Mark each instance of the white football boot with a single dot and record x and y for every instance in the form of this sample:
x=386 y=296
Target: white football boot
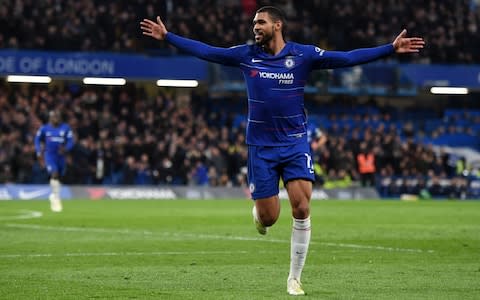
x=260 y=228
x=294 y=287
x=55 y=203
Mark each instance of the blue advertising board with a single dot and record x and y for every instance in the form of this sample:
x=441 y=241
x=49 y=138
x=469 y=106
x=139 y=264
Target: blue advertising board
x=138 y=67
x=85 y=64
x=443 y=75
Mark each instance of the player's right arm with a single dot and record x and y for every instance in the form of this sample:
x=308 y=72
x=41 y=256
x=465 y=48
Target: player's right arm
x=38 y=141
x=225 y=56
x=70 y=141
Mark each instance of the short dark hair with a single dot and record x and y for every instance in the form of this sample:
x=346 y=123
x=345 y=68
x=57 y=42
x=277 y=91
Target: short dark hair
x=55 y=113
x=276 y=14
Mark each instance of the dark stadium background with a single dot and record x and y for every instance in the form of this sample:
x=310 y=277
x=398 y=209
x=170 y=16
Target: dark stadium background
x=140 y=134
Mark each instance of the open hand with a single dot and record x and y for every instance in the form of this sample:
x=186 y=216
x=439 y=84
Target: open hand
x=156 y=30
x=402 y=44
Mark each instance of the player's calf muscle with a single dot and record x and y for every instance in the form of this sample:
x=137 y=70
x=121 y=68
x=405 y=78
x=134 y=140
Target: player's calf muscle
x=299 y=192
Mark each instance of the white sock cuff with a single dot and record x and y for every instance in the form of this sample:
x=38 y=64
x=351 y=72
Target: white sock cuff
x=302 y=224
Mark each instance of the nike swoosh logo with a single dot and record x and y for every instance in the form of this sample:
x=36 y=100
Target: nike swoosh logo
x=33 y=194
x=256 y=60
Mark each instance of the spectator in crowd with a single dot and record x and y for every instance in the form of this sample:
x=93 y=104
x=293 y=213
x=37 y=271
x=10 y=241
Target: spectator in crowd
x=366 y=165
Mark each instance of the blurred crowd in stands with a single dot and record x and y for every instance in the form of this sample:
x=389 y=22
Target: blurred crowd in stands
x=450 y=27
x=126 y=136
x=123 y=137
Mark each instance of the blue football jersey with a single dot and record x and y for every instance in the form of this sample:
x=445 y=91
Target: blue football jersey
x=275 y=83
x=53 y=138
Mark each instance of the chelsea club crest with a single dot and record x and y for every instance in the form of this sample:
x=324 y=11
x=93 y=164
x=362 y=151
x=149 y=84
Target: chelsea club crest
x=289 y=63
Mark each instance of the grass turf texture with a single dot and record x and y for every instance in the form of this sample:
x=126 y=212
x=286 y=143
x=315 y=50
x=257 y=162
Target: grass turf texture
x=210 y=250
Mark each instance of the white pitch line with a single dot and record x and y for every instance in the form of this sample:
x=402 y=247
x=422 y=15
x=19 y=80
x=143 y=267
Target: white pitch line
x=77 y=229
x=391 y=249
x=24 y=214
x=209 y=237
x=143 y=232
x=156 y=253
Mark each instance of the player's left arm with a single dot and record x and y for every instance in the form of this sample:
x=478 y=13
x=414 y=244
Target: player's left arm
x=323 y=59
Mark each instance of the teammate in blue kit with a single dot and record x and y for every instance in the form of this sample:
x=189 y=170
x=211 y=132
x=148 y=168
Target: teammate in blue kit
x=315 y=137
x=52 y=141
x=275 y=72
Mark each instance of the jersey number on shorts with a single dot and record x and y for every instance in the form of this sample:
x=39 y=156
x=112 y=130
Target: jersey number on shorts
x=309 y=163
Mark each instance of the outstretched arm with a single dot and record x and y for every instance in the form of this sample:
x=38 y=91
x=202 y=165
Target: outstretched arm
x=157 y=30
x=339 y=59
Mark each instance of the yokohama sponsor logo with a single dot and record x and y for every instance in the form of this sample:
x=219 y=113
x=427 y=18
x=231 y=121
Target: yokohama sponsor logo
x=134 y=193
x=269 y=75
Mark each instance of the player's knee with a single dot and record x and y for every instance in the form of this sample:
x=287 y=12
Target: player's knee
x=268 y=221
x=268 y=218
x=301 y=210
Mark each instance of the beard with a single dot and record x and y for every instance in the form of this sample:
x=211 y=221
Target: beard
x=264 y=39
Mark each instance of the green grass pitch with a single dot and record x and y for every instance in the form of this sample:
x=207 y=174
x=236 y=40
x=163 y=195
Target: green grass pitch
x=210 y=250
